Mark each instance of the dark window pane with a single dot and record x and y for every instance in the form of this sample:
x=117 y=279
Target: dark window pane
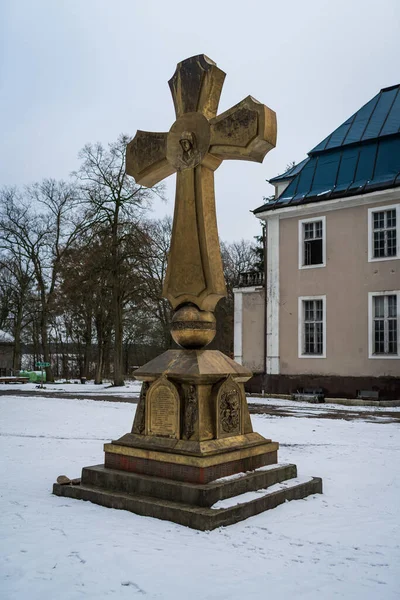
x=385 y=324
x=391 y=242
x=379 y=244
x=392 y=342
x=319 y=336
x=379 y=302
x=318 y=229
x=313 y=326
x=309 y=337
x=319 y=311
x=379 y=220
x=379 y=338
x=392 y=306
x=313 y=252
x=308 y=231
x=391 y=218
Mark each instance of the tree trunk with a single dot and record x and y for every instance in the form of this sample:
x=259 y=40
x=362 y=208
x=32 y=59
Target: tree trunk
x=117 y=303
x=88 y=346
x=118 y=362
x=17 y=339
x=98 y=377
x=35 y=335
x=46 y=348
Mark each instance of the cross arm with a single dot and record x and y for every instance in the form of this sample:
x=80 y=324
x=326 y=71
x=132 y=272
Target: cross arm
x=196 y=85
x=146 y=158
x=246 y=131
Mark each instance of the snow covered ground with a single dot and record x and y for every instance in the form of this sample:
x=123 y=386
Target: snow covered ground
x=286 y=403
x=89 y=388
x=342 y=544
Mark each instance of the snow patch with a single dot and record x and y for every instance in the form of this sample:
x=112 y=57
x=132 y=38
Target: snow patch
x=341 y=544
x=249 y=496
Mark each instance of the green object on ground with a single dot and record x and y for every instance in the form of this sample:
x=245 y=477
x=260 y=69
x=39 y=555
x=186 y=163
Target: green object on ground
x=34 y=376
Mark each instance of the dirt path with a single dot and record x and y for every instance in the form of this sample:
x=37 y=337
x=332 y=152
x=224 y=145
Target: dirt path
x=325 y=412
x=308 y=412
x=132 y=399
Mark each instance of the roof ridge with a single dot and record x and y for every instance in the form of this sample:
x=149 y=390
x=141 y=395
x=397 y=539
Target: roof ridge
x=390 y=87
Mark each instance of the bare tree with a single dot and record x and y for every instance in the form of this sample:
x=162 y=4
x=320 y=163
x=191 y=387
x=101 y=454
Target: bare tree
x=114 y=201
x=85 y=295
x=153 y=266
x=43 y=223
x=16 y=297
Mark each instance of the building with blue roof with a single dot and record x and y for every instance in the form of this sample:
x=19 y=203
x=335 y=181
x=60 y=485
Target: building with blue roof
x=360 y=156
x=331 y=301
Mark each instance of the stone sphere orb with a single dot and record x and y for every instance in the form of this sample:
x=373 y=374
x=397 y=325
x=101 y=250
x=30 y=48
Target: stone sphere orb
x=192 y=328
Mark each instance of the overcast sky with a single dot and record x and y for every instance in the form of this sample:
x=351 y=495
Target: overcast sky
x=78 y=71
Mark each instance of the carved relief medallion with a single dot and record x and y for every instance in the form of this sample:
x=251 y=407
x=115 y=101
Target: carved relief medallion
x=140 y=416
x=229 y=408
x=163 y=409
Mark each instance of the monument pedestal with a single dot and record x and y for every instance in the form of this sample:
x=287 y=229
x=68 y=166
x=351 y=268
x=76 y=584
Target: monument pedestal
x=192 y=505
x=192 y=442
x=191 y=445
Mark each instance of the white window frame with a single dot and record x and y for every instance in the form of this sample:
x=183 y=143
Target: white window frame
x=371 y=212
x=301 y=326
x=371 y=354
x=301 y=242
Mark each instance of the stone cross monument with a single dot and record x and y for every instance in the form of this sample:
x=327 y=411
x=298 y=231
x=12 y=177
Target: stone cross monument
x=192 y=426
x=194 y=147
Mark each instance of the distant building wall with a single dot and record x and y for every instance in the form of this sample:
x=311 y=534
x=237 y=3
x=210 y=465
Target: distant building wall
x=346 y=280
x=249 y=341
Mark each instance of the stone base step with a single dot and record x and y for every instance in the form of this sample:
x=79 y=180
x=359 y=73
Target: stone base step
x=197 y=517
x=205 y=495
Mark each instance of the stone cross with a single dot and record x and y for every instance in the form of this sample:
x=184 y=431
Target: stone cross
x=194 y=148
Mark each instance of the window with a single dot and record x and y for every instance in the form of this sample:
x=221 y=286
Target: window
x=312 y=243
x=384 y=316
x=312 y=327
x=384 y=232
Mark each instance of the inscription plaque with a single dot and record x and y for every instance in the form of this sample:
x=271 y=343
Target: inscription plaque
x=163 y=409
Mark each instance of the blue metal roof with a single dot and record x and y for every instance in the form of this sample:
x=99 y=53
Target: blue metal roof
x=290 y=173
x=379 y=117
x=360 y=156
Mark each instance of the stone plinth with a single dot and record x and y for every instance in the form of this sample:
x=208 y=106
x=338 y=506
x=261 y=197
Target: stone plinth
x=191 y=430
x=186 y=503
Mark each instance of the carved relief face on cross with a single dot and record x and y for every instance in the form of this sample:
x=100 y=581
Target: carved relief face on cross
x=194 y=148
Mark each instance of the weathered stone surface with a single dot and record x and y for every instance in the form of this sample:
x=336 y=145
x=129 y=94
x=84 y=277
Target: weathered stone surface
x=193 y=366
x=194 y=470
x=202 y=518
x=213 y=450
x=188 y=493
x=195 y=146
x=139 y=423
x=230 y=405
x=63 y=480
x=163 y=409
